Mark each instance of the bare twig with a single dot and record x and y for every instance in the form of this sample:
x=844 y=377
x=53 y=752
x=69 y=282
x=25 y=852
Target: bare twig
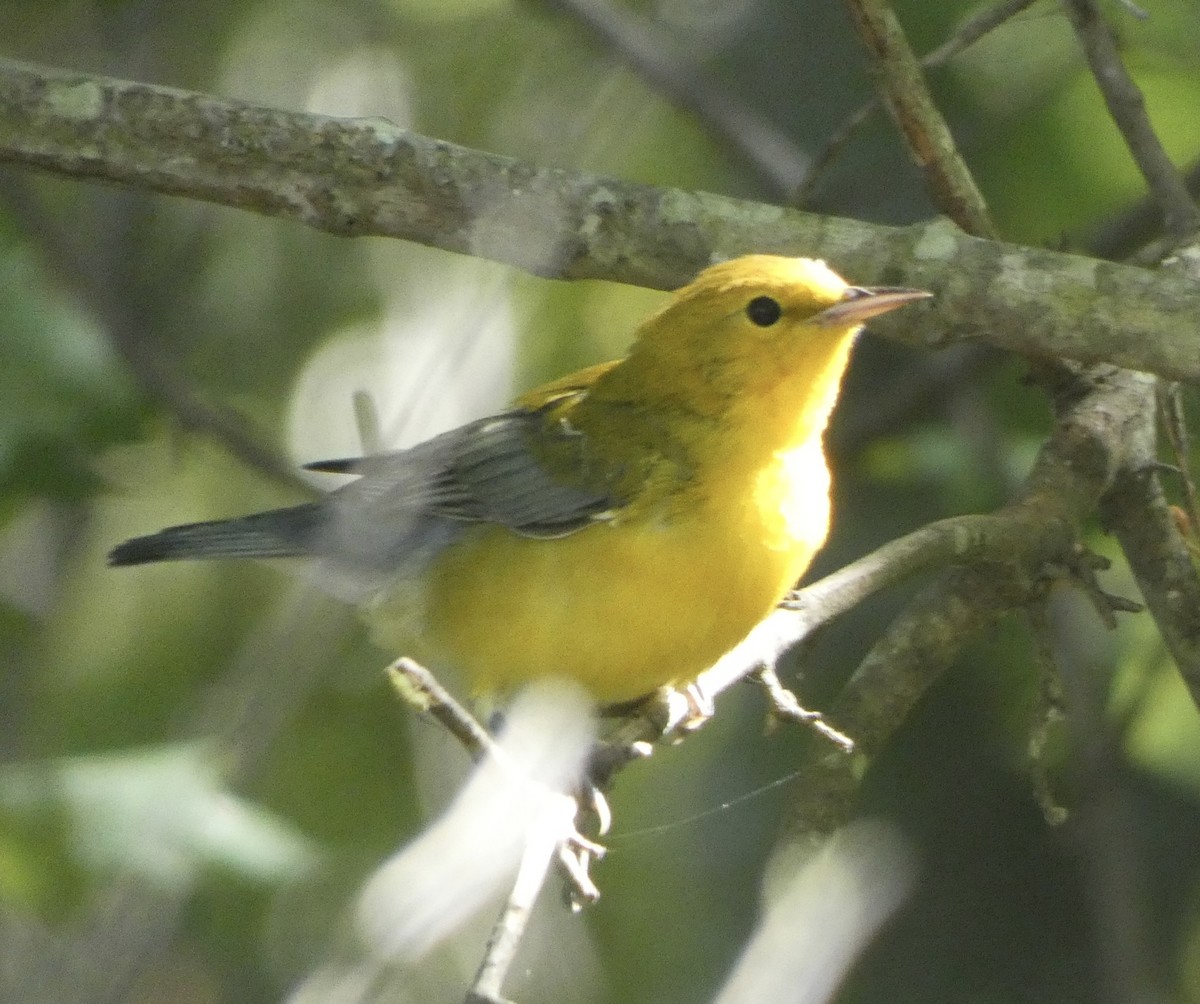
x=898 y=77
x=544 y=842
x=1136 y=226
x=834 y=145
x=161 y=379
x=421 y=690
x=1047 y=720
x=968 y=33
x=1128 y=110
x=652 y=54
x=786 y=706
x=551 y=838
x=1103 y=821
x=973 y=29
x=76 y=269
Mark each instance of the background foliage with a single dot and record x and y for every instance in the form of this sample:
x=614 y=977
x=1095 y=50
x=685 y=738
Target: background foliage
x=201 y=764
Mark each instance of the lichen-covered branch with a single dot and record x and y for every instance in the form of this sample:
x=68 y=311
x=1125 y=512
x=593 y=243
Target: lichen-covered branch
x=1089 y=450
x=371 y=177
x=1137 y=512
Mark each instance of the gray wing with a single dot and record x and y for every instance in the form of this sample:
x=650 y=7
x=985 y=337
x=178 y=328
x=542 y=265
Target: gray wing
x=406 y=506
x=482 y=472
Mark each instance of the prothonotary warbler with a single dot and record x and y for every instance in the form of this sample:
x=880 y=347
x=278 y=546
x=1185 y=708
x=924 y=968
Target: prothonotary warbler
x=624 y=526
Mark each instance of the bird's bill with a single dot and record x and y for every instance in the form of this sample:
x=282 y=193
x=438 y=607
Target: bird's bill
x=861 y=304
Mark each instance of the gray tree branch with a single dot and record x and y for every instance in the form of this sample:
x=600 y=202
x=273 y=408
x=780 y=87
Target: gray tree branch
x=371 y=177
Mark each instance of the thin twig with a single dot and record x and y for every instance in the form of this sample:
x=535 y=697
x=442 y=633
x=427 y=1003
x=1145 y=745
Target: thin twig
x=1103 y=821
x=114 y=306
x=655 y=56
x=161 y=379
x=1136 y=226
x=972 y=30
x=421 y=689
x=1046 y=721
x=898 y=77
x=968 y=33
x=545 y=838
x=552 y=838
x=785 y=704
x=1128 y=109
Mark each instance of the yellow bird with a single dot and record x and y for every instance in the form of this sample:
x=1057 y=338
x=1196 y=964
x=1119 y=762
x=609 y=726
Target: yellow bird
x=624 y=526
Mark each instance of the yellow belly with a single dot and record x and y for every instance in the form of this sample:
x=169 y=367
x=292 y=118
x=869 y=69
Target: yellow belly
x=621 y=607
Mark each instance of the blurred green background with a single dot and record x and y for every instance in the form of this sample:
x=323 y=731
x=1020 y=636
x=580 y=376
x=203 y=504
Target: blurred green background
x=201 y=764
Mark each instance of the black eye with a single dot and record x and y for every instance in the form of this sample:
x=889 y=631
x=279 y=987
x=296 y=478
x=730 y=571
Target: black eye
x=764 y=311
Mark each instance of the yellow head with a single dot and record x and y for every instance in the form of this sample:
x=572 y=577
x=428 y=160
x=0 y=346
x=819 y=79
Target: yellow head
x=756 y=325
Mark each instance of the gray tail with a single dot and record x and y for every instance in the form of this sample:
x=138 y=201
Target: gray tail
x=280 y=533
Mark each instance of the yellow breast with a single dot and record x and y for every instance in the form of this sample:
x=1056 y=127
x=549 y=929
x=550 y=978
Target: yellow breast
x=651 y=598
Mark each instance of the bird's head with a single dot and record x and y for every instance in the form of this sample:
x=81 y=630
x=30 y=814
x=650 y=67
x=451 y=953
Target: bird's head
x=757 y=324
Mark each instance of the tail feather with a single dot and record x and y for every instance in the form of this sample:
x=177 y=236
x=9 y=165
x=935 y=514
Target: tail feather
x=280 y=533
